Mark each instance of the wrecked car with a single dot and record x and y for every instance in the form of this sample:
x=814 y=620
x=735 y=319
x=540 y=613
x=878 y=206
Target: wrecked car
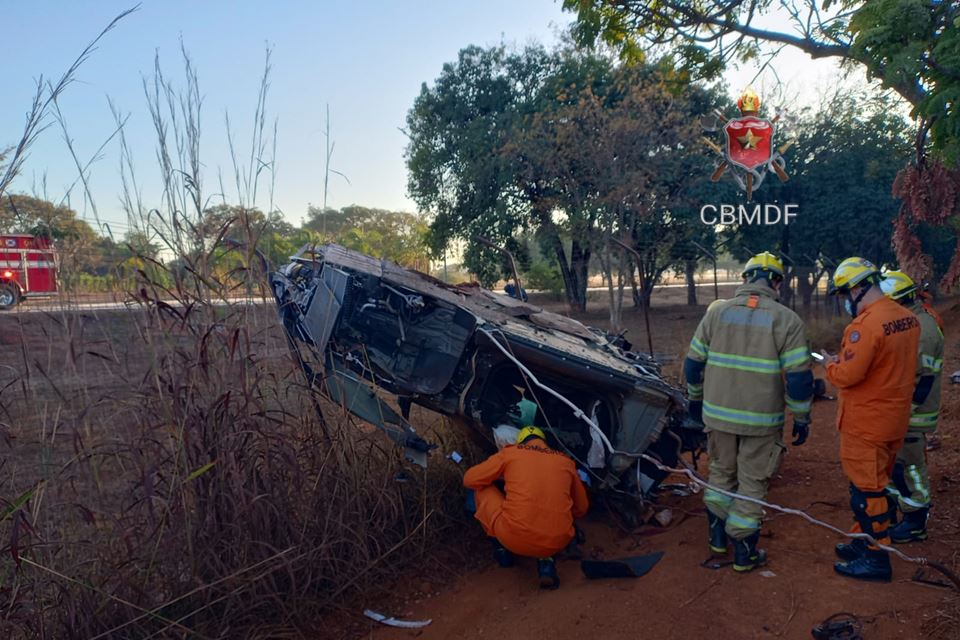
x=364 y=329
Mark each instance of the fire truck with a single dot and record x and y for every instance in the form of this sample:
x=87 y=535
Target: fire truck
x=28 y=268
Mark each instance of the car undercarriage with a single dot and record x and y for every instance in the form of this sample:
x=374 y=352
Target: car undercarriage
x=364 y=329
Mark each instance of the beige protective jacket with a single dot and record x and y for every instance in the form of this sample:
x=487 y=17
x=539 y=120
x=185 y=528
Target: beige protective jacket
x=755 y=360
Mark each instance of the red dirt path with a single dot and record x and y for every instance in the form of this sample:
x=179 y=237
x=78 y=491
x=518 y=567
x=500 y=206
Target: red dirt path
x=679 y=599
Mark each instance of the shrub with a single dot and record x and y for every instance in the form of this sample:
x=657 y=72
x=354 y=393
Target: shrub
x=544 y=277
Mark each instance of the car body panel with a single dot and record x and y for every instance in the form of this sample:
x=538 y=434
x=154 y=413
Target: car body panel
x=465 y=351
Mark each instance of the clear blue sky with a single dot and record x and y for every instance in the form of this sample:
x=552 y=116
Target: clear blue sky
x=367 y=59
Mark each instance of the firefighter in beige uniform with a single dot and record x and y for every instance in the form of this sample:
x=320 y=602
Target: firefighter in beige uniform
x=748 y=358
x=910 y=480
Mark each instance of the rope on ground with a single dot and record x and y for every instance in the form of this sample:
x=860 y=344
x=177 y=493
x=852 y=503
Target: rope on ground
x=696 y=478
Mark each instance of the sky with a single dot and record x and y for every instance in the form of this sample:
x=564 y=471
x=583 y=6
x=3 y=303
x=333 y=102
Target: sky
x=366 y=59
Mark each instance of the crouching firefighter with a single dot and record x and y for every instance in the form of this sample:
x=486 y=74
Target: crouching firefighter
x=911 y=481
x=542 y=495
x=748 y=358
x=875 y=374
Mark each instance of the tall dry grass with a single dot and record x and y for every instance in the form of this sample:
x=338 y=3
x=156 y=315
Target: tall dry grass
x=166 y=470
x=167 y=474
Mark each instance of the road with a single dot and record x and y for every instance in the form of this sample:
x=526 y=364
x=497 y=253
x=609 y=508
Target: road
x=63 y=304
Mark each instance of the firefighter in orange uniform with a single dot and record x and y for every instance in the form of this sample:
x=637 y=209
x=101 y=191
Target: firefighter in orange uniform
x=875 y=373
x=543 y=496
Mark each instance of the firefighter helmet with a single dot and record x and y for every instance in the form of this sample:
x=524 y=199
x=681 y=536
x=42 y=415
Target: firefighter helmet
x=896 y=285
x=530 y=432
x=766 y=264
x=850 y=273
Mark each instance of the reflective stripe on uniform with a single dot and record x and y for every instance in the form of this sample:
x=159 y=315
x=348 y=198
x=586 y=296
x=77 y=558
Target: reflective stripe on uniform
x=918 y=484
x=699 y=348
x=740 y=416
x=744 y=363
x=741 y=522
x=931 y=363
x=924 y=419
x=715 y=497
x=694 y=389
x=798 y=407
x=794 y=357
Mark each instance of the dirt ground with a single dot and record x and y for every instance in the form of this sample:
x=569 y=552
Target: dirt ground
x=681 y=599
x=467 y=597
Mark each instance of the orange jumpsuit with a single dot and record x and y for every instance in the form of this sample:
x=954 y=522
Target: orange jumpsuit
x=543 y=496
x=876 y=376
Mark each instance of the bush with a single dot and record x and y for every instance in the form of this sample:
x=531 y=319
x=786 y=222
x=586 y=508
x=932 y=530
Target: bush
x=544 y=277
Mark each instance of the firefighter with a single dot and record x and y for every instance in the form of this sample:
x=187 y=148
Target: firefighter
x=544 y=495
x=874 y=373
x=911 y=482
x=748 y=358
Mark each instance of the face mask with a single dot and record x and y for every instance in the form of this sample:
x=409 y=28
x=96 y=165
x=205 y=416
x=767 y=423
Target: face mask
x=850 y=304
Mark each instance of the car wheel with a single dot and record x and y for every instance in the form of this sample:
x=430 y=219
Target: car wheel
x=9 y=296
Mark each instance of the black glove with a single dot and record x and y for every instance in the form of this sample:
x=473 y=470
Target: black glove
x=695 y=409
x=801 y=430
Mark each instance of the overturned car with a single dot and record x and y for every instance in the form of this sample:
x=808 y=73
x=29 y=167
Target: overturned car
x=363 y=328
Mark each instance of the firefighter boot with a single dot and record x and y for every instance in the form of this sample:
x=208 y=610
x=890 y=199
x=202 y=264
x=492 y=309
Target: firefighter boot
x=501 y=554
x=912 y=528
x=718 y=537
x=746 y=556
x=874 y=564
x=547 y=572
x=851 y=550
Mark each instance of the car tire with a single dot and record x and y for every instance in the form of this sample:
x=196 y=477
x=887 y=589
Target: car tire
x=9 y=296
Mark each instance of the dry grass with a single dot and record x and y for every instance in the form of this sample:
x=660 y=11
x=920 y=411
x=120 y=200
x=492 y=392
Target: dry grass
x=169 y=475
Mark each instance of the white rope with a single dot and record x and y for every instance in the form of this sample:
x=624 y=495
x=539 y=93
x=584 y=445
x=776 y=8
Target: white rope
x=594 y=428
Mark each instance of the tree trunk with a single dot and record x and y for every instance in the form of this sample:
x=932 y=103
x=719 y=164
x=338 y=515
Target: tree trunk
x=690 y=273
x=805 y=285
x=633 y=288
x=786 y=288
x=569 y=279
x=580 y=271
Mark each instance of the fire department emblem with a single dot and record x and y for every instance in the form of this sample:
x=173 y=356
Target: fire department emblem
x=748 y=154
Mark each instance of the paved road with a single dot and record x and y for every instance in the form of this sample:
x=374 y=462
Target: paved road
x=56 y=305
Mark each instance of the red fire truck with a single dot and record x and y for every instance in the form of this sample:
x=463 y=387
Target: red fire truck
x=28 y=268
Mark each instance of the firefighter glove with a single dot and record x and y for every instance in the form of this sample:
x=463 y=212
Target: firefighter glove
x=801 y=430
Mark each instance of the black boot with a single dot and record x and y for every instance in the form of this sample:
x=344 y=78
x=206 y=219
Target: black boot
x=912 y=528
x=851 y=550
x=547 y=572
x=874 y=564
x=746 y=555
x=718 y=537
x=501 y=554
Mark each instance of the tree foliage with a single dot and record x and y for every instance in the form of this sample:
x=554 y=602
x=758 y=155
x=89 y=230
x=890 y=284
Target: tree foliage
x=910 y=46
x=395 y=235
x=571 y=145
x=846 y=156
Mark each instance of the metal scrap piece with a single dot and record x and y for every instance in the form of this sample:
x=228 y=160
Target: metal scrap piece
x=393 y=622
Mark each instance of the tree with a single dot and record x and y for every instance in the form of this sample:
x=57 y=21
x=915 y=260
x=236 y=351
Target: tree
x=394 y=235
x=568 y=144
x=457 y=129
x=911 y=46
x=80 y=248
x=842 y=165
